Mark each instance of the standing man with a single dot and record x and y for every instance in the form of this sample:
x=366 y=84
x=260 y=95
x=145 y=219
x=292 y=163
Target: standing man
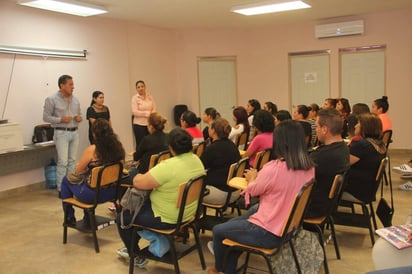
x=331 y=158
x=62 y=110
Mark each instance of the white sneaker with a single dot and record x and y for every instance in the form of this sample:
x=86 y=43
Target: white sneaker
x=210 y=247
x=403 y=169
x=122 y=252
x=407 y=186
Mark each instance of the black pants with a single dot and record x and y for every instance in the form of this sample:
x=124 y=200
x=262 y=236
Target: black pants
x=139 y=132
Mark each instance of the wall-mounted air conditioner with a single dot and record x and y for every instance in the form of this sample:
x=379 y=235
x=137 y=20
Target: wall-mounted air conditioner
x=339 y=29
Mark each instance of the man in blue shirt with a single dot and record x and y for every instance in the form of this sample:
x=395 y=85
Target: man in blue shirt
x=62 y=111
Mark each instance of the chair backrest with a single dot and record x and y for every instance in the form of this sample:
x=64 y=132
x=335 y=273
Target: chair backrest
x=297 y=211
x=199 y=148
x=381 y=169
x=387 y=137
x=188 y=193
x=239 y=168
x=102 y=176
x=262 y=157
x=157 y=158
x=241 y=140
x=335 y=192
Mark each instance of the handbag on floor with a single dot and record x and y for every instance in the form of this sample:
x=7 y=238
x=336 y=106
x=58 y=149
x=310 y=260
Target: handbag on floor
x=384 y=210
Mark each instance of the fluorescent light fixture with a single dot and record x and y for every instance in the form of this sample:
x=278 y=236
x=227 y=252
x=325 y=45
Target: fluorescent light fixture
x=269 y=7
x=62 y=53
x=65 y=6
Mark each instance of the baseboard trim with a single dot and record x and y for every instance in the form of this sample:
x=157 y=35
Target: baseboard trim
x=22 y=189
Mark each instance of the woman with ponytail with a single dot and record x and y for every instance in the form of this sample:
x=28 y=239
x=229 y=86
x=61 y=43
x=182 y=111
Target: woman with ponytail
x=107 y=149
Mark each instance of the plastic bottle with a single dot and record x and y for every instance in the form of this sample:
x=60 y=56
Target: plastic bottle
x=50 y=174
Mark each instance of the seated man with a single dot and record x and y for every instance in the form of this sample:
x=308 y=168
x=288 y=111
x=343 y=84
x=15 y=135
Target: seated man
x=331 y=158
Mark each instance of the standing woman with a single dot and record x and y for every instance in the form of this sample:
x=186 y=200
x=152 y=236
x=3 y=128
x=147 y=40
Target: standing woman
x=96 y=110
x=380 y=107
x=142 y=105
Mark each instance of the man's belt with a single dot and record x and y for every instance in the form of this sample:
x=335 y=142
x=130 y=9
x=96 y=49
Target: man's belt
x=66 y=128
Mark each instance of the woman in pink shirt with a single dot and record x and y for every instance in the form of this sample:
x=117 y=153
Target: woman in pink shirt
x=380 y=107
x=188 y=121
x=264 y=124
x=277 y=184
x=142 y=105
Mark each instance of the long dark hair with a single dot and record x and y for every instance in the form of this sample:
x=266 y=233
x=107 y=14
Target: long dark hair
x=240 y=114
x=108 y=147
x=289 y=145
x=255 y=104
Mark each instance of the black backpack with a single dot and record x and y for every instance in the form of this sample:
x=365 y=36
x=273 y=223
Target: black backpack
x=42 y=133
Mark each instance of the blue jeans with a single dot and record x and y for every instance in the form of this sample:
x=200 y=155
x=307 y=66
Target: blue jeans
x=145 y=217
x=240 y=230
x=84 y=193
x=67 y=144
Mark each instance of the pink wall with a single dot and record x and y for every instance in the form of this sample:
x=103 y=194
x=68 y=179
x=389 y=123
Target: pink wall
x=262 y=61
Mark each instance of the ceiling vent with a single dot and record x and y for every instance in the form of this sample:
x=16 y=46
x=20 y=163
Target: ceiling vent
x=339 y=29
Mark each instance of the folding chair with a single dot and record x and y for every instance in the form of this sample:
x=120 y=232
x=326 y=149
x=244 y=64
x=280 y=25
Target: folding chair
x=189 y=192
x=290 y=229
x=319 y=222
x=361 y=220
x=101 y=177
x=199 y=148
x=241 y=140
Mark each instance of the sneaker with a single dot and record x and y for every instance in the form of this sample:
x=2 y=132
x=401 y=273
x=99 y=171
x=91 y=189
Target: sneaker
x=407 y=186
x=210 y=247
x=403 y=169
x=112 y=208
x=122 y=252
x=140 y=262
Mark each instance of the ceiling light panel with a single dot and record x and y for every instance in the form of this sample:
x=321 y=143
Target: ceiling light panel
x=269 y=7
x=65 y=6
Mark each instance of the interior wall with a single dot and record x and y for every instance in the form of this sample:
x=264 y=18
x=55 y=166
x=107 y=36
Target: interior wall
x=263 y=69
x=121 y=53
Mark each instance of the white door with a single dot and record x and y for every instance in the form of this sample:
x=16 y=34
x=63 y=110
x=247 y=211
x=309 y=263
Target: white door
x=217 y=85
x=362 y=75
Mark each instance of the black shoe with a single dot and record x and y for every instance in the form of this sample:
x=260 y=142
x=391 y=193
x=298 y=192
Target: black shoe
x=71 y=221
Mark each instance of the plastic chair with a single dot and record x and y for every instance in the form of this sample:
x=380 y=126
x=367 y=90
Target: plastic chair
x=241 y=140
x=189 y=192
x=101 y=177
x=319 y=222
x=199 y=148
x=361 y=220
x=157 y=158
x=262 y=157
x=291 y=227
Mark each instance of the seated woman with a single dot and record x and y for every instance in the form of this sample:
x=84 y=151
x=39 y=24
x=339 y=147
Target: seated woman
x=188 y=121
x=343 y=106
x=277 y=183
x=163 y=180
x=365 y=157
x=300 y=114
x=106 y=149
x=264 y=125
x=241 y=122
x=217 y=158
x=208 y=117
x=380 y=107
x=153 y=143
x=282 y=115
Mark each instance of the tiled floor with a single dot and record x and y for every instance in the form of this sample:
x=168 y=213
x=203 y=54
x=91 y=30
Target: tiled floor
x=31 y=238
